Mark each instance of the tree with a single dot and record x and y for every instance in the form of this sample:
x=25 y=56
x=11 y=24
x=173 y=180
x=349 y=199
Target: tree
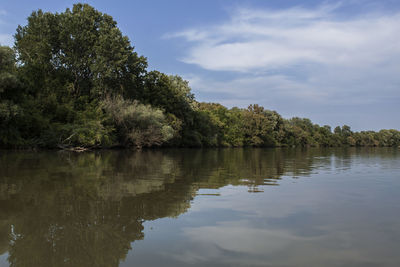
x=261 y=126
x=81 y=52
x=170 y=93
x=173 y=95
x=10 y=94
x=73 y=79
x=69 y=62
x=9 y=83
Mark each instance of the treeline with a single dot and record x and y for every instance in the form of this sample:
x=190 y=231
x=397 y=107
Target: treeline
x=72 y=79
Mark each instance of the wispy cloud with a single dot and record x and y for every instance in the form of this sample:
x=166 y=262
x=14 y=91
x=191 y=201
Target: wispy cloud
x=299 y=55
x=267 y=39
x=2 y=13
x=6 y=39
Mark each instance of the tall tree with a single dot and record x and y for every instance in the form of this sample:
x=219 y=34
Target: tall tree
x=80 y=51
x=10 y=94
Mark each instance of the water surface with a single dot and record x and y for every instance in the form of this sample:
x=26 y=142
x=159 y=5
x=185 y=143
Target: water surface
x=197 y=207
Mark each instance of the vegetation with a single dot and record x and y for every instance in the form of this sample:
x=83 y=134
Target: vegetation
x=137 y=124
x=72 y=79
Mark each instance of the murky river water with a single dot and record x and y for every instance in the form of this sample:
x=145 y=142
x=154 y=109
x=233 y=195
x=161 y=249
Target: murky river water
x=197 y=207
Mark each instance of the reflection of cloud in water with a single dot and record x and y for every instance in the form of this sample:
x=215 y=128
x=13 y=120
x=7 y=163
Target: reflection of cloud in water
x=239 y=242
x=91 y=207
x=241 y=237
x=300 y=226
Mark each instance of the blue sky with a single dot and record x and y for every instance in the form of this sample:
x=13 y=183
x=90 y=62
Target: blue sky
x=335 y=62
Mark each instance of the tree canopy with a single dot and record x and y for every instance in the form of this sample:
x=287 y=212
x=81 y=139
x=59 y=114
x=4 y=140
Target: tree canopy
x=73 y=79
x=80 y=50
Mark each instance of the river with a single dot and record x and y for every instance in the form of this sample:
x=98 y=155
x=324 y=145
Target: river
x=201 y=207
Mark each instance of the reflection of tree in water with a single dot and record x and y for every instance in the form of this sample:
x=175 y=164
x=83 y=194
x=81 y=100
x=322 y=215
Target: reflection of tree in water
x=63 y=209
x=78 y=210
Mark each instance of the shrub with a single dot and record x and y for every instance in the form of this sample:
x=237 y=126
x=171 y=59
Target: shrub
x=137 y=124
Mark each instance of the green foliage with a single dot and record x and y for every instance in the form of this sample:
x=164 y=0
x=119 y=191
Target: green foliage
x=87 y=130
x=78 y=52
x=170 y=93
x=261 y=127
x=68 y=62
x=10 y=92
x=9 y=84
x=76 y=81
x=173 y=95
x=137 y=124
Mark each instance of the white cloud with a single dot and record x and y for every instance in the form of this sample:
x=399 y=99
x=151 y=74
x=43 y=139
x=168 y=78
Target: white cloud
x=299 y=57
x=265 y=39
x=2 y=13
x=6 y=39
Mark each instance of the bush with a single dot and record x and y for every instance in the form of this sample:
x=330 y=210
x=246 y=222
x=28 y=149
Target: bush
x=137 y=124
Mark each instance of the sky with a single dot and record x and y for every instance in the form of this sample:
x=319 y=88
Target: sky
x=335 y=62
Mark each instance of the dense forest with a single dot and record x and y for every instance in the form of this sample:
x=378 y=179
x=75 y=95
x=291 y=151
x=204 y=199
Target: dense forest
x=73 y=79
